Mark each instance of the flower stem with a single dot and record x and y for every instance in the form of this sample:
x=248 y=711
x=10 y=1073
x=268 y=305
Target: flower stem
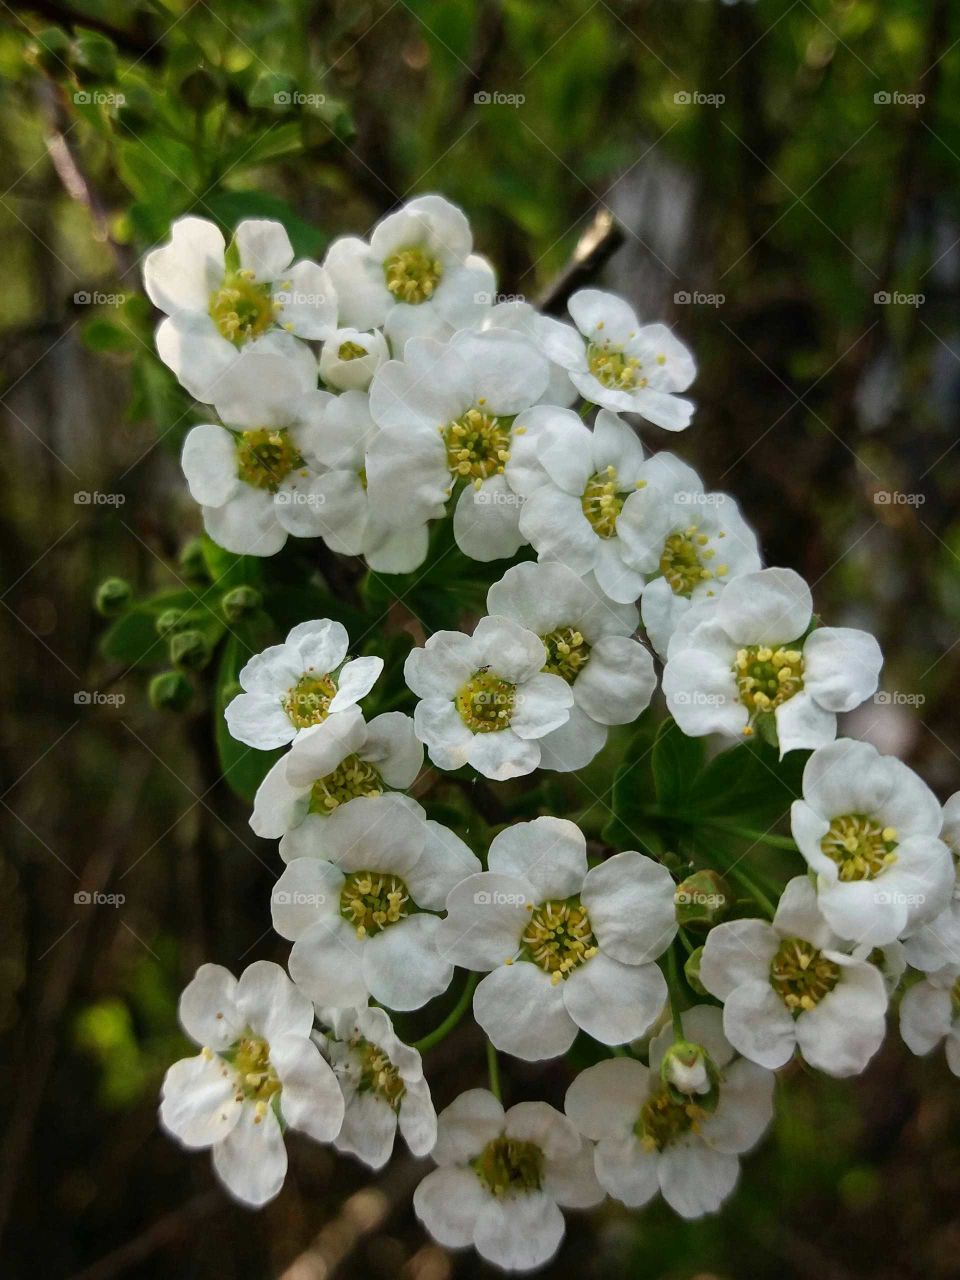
x=757 y=837
x=673 y=983
x=493 y=1071
x=450 y=1021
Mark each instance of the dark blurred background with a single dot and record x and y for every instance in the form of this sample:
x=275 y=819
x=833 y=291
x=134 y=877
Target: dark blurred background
x=785 y=177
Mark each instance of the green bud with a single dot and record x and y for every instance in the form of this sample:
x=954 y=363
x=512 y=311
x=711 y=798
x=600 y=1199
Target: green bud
x=49 y=51
x=170 y=691
x=189 y=650
x=691 y=971
x=199 y=89
x=168 y=621
x=702 y=900
x=94 y=56
x=193 y=566
x=112 y=596
x=240 y=601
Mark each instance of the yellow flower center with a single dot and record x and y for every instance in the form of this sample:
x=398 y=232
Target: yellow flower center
x=602 y=501
x=508 y=1166
x=478 y=445
x=242 y=309
x=567 y=653
x=559 y=937
x=377 y=1073
x=766 y=678
x=412 y=275
x=955 y=998
x=372 y=901
x=613 y=369
x=801 y=975
x=860 y=846
x=684 y=561
x=308 y=702
x=257 y=1081
x=486 y=702
x=265 y=455
x=663 y=1120
x=351 y=351
x=352 y=777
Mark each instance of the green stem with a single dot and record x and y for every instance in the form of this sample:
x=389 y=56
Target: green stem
x=493 y=1071
x=758 y=895
x=673 y=983
x=450 y=1021
x=757 y=837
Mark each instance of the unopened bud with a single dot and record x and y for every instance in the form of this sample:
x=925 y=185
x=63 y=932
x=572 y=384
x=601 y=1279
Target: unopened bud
x=239 y=602
x=112 y=596
x=189 y=650
x=168 y=621
x=170 y=691
x=702 y=900
x=686 y=1066
x=691 y=971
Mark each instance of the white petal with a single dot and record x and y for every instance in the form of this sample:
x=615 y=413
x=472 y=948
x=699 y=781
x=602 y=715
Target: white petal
x=523 y=1013
x=502 y=755
x=326 y=963
x=550 y=853
x=802 y=724
x=925 y=1017
x=696 y=1180
x=182 y=274
x=573 y=745
x=402 y=967
x=845 y=1029
x=841 y=667
x=198 y=1102
x=772 y=606
x=744 y=1111
x=614 y=1002
x=271 y=1004
x=264 y=247
x=259 y=721
x=798 y=914
x=382 y=833
x=630 y=901
x=758 y=1024
x=572 y=1181
x=277 y=805
x=554 y=523
x=519 y=1233
x=486 y=916
x=486 y=521
x=605 y=1100
x=369 y=1128
x=417 y=1118
x=737 y=952
x=626 y=1170
x=190 y=344
x=549 y=1129
x=392 y=747
x=355 y=681
x=362 y=293
x=444 y=863
x=703 y=1025
x=614 y=576
x=473 y=1119
x=309 y=302
x=448 y=1202
x=308 y=891
x=701 y=692
x=208 y=1008
x=310 y=1099
x=252 y=1160
x=247 y=524
x=319 y=749
x=209 y=461
x=443 y=666
x=541 y=705
x=618 y=682
x=439 y=726
x=512 y=651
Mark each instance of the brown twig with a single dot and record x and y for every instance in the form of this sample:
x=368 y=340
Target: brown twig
x=596 y=246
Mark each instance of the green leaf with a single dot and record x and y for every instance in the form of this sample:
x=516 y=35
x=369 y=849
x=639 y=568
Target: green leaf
x=231 y=207
x=227 y=570
x=749 y=785
x=133 y=639
x=676 y=761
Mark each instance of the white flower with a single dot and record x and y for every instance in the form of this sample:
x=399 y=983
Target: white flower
x=787 y=985
x=587 y=641
x=707 y=544
x=752 y=656
x=446 y=411
x=214 y=310
x=566 y=948
x=485 y=698
x=623 y=365
x=868 y=828
x=258 y=1066
x=344 y=515
x=936 y=944
x=349 y=358
x=332 y=763
x=383 y=1086
x=294 y=685
x=416 y=276
x=930 y=1013
x=254 y=476
x=501 y=1177
x=543 y=331
x=650 y=1138
x=359 y=908
x=591 y=508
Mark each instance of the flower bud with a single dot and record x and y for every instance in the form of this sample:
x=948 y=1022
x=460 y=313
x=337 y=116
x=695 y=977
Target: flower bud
x=49 y=51
x=189 y=650
x=691 y=971
x=702 y=900
x=112 y=596
x=686 y=1067
x=236 y=604
x=168 y=621
x=193 y=566
x=170 y=691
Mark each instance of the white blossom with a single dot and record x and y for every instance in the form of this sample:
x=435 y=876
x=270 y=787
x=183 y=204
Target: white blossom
x=332 y=763
x=255 y=476
x=652 y=1138
x=502 y=1178
x=930 y=1015
x=790 y=985
x=417 y=276
x=564 y=947
x=753 y=655
x=360 y=908
x=446 y=415
x=868 y=827
x=485 y=699
x=623 y=365
x=545 y=333
x=383 y=1086
x=588 y=641
x=291 y=686
x=258 y=1066
x=936 y=944
x=349 y=358
x=214 y=310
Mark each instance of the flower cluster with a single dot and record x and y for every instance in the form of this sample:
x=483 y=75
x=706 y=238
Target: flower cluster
x=426 y=399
